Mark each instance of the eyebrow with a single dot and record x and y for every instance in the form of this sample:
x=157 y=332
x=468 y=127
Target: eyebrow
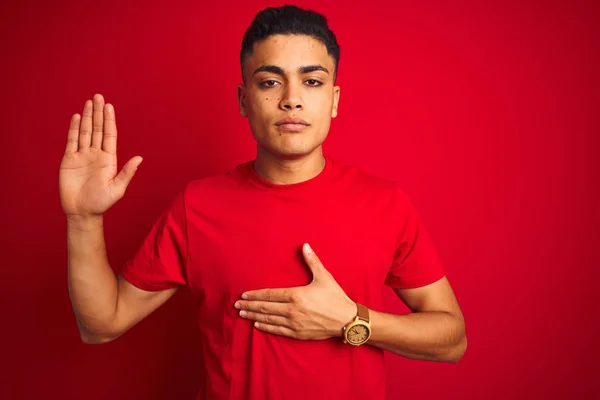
x=279 y=71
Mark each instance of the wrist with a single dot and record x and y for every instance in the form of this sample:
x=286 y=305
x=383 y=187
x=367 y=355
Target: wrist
x=84 y=223
x=347 y=315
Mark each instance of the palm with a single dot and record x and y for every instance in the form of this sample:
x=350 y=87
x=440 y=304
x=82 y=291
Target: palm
x=88 y=180
x=84 y=181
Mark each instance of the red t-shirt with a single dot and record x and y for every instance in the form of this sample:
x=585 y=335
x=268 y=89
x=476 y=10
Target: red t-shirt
x=235 y=231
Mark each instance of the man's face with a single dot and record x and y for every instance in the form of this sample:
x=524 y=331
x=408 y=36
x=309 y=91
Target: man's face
x=289 y=76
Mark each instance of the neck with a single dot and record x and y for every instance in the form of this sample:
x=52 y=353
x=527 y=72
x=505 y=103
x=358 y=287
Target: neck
x=282 y=171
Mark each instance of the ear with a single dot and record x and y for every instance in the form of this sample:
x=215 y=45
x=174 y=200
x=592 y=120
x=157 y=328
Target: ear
x=336 y=100
x=241 y=94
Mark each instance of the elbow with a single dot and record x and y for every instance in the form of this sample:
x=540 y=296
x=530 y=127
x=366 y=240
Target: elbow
x=90 y=337
x=458 y=351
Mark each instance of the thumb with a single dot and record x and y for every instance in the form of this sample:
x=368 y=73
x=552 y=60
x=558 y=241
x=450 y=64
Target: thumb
x=124 y=177
x=316 y=266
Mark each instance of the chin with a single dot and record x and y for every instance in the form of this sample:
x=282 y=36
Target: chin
x=289 y=145
x=290 y=152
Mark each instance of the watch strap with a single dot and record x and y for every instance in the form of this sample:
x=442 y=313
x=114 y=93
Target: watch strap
x=363 y=312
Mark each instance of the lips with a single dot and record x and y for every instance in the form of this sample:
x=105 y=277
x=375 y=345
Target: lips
x=291 y=124
x=292 y=127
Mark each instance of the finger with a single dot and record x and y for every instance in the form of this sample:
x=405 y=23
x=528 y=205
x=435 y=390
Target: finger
x=266 y=318
x=275 y=329
x=280 y=295
x=124 y=177
x=109 y=143
x=313 y=262
x=263 y=307
x=97 y=121
x=73 y=136
x=85 y=130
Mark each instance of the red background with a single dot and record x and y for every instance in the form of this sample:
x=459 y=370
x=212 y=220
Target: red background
x=487 y=113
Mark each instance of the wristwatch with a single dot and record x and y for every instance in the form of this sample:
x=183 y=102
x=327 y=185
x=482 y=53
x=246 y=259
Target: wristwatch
x=358 y=331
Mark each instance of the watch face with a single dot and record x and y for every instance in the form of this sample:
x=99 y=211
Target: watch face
x=358 y=334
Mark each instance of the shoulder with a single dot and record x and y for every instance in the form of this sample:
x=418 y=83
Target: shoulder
x=215 y=186
x=367 y=180
x=220 y=182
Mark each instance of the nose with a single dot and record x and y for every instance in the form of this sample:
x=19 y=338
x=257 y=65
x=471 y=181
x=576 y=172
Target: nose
x=292 y=98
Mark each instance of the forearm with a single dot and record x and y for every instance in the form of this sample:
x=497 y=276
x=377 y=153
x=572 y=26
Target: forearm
x=431 y=336
x=92 y=283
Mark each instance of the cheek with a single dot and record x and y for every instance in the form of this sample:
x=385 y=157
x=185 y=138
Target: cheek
x=323 y=103
x=260 y=113
x=261 y=104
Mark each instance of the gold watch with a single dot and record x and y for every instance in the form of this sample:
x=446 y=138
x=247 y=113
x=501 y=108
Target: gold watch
x=358 y=331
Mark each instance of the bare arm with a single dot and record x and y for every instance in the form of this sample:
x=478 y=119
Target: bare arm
x=435 y=331
x=105 y=306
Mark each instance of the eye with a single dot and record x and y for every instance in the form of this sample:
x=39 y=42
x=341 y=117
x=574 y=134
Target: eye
x=269 y=83
x=313 y=82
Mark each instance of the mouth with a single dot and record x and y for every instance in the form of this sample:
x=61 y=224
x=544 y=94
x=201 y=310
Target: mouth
x=291 y=127
x=292 y=124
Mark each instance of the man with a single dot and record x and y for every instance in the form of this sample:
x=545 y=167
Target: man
x=286 y=254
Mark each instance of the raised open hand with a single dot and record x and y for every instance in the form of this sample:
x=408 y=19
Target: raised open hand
x=88 y=180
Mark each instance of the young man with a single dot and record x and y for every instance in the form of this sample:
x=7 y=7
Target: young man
x=287 y=254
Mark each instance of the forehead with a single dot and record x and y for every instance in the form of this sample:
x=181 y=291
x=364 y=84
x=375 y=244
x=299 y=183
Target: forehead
x=289 y=52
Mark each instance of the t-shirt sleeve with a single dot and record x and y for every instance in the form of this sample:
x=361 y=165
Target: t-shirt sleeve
x=160 y=262
x=416 y=262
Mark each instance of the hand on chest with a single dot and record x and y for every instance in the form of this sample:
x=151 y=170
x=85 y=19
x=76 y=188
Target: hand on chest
x=265 y=251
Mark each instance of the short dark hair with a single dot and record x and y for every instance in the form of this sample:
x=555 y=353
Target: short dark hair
x=291 y=20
